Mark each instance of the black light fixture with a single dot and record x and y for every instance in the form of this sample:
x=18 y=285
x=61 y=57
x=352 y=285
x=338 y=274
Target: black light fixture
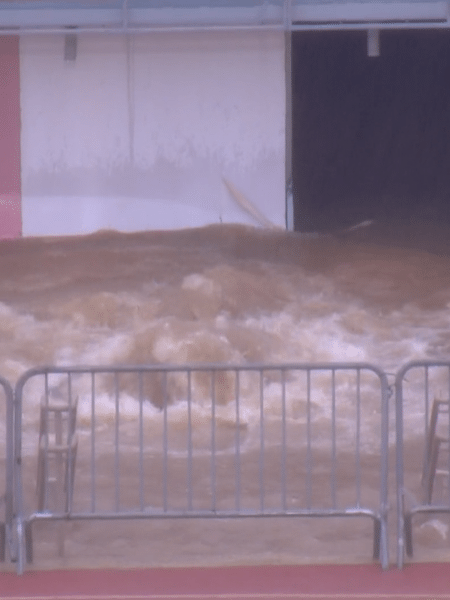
x=70 y=46
x=373 y=42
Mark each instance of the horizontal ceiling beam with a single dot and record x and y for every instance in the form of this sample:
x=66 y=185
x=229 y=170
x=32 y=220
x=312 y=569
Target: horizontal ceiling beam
x=127 y=16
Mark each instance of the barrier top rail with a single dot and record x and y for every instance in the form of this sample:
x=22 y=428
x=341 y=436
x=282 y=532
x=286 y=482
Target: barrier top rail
x=203 y=366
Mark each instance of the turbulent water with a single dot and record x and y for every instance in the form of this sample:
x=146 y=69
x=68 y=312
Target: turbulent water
x=229 y=293
x=222 y=293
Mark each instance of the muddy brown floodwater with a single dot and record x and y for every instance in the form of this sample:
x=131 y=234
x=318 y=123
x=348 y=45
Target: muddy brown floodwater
x=226 y=293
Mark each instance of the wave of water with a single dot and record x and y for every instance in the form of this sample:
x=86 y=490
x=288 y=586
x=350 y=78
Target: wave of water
x=228 y=294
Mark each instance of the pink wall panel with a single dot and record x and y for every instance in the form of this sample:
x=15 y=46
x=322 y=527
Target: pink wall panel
x=10 y=188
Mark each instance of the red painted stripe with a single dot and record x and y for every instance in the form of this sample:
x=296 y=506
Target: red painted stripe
x=10 y=186
x=279 y=596
x=418 y=581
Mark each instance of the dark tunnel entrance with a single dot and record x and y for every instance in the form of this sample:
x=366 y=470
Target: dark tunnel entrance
x=371 y=136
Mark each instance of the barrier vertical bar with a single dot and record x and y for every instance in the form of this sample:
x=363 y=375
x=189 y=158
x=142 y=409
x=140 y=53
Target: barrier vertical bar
x=399 y=467
x=93 y=446
x=165 y=443
x=448 y=437
x=189 y=441
x=141 y=440
x=213 y=441
x=116 y=444
x=308 y=442
x=261 y=441
x=70 y=474
x=358 y=439
x=333 y=439
x=382 y=543
x=23 y=539
x=237 y=457
x=283 y=439
x=6 y=528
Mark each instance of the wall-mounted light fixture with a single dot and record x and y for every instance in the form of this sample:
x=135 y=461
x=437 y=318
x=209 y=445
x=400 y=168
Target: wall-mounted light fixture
x=70 y=46
x=373 y=42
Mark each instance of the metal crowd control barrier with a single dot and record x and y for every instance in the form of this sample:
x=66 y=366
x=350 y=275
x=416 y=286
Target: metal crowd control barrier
x=6 y=457
x=208 y=440
x=423 y=434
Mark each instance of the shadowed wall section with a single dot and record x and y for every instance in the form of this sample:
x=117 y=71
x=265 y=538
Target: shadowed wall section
x=10 y=187
x=371 y=135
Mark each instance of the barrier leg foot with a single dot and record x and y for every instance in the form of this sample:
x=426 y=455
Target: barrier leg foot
x=408 y=535
x=28 y=542
x=376 y=539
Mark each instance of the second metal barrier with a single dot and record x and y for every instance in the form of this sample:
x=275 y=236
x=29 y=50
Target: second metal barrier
x=422 y=438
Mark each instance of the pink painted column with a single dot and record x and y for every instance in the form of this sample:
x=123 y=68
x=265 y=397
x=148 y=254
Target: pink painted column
x=10 y=188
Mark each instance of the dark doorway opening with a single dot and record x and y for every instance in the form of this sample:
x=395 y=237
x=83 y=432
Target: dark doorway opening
x=371 y=136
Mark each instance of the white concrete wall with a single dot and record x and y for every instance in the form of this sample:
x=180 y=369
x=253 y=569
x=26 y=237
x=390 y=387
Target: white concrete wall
x=137 y=133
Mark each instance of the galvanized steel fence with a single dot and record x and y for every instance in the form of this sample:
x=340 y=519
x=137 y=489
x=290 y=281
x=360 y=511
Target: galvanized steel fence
x=205 y=441
x=422 y=412
x=293 y=440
